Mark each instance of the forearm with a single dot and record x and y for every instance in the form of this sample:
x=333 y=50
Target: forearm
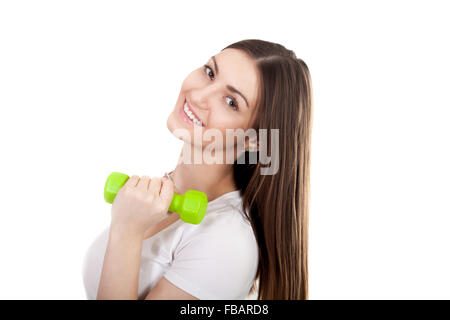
x=120 y=273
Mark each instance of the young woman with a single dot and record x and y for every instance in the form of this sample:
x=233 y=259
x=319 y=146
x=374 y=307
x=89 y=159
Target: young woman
x=255 y=231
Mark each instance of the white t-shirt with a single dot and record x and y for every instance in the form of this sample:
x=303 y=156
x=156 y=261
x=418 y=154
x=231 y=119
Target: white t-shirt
x=216 y=259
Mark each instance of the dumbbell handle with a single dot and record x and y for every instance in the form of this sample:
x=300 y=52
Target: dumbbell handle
x=191 y=206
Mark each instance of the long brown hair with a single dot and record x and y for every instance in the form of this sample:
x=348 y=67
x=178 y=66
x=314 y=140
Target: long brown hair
x=278 y=204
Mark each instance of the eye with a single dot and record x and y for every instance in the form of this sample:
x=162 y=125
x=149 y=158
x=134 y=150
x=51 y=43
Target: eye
x=210 y=74
x=234 y=105
x=206 y=68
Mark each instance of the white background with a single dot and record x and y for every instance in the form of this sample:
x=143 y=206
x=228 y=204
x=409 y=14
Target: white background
x=86 y=88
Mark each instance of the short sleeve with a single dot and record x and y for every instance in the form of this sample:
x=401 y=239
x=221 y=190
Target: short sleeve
x=215 y=265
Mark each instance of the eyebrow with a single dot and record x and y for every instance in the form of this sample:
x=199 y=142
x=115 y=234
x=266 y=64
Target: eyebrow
x=231 y=88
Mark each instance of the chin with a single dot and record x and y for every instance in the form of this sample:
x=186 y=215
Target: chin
x=169 y=123
x=172 y=125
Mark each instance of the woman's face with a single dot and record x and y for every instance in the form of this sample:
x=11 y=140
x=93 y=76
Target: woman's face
x=222 y=95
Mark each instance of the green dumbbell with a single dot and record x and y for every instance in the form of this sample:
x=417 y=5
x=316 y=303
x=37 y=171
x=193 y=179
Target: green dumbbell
x=191 y=206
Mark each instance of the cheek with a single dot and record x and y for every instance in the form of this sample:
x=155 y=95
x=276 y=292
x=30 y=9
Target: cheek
x=227 y=123
x=221 y=119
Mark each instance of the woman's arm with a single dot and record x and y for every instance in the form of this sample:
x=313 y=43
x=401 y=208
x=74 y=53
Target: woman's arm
x=123 y=255
x=120 y=273
x=141 y=204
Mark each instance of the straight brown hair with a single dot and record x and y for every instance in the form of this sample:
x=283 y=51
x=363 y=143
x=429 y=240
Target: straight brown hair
x=278 y=204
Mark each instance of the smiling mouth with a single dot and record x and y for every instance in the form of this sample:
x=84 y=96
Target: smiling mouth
x=190 y=114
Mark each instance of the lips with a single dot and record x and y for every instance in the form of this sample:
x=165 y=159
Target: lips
x=191 y=110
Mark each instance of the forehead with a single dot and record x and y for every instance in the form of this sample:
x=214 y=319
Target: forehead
x=237 y=69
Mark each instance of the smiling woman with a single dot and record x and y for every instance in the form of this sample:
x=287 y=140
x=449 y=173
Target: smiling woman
x=255 y=231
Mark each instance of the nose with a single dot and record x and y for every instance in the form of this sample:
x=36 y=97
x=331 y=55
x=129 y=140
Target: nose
x=200 y=96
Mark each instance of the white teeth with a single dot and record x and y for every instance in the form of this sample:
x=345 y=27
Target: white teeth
x=191 y=115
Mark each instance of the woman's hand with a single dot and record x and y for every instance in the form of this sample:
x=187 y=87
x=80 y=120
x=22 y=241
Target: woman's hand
x=140 y=204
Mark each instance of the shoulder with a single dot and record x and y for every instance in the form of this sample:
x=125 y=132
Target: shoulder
x=225 y=222
x=216 y=259
x=225 y=235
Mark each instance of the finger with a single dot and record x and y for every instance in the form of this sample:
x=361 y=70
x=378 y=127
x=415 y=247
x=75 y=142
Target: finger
x=167 y=191
x=143 y=183
x=132 y=182
x=155 y=186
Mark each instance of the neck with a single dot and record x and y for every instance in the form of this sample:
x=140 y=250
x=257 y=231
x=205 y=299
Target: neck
x=212 y=179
